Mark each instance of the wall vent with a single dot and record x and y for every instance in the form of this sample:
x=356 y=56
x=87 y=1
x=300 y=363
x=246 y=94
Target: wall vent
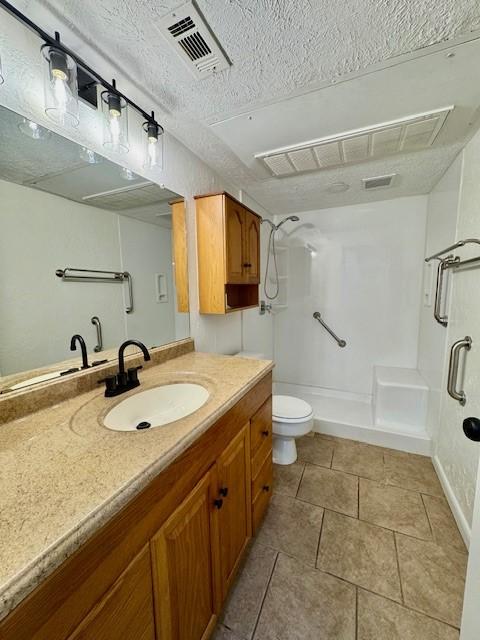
x=407 y=134
x=188 y=33
x=378 y=182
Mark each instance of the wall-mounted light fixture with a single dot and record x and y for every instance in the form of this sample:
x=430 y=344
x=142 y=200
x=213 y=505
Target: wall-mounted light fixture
x=60 y=85
x=68 y=78
x=115 y=120
x=154 y=143
x=33 y=130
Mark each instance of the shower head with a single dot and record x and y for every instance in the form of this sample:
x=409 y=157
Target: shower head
x=292 y=218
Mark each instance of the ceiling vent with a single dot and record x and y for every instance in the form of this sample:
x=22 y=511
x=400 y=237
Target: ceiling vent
x=397 y=136
x=188 y=33
x=379 y=182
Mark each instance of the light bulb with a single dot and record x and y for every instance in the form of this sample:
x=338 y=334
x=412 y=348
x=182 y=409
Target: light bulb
x=90 y=156
x=33 y=130
x=154 y=149
x=115 y=130
x=60 y=86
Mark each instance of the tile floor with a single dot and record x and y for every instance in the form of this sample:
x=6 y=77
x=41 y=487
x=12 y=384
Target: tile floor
x=358 y=544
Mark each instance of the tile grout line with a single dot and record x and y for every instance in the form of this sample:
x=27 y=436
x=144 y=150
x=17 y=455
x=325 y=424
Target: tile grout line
x=319 y=538
x=301 y=478
x=398 y=567
x=264 y=596
x=356 y=613
x=428 y=517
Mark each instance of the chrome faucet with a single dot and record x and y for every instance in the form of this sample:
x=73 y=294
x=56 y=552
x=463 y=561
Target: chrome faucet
x=124 y=380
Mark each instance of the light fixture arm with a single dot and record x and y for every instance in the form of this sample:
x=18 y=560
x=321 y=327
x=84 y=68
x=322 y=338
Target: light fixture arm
x=55 y=41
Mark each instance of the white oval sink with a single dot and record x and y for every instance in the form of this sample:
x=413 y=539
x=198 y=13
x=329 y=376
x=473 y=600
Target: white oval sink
x=156 y=407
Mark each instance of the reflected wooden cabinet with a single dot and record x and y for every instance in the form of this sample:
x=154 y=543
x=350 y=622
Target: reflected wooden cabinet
x=179 y=252
x=228 y=248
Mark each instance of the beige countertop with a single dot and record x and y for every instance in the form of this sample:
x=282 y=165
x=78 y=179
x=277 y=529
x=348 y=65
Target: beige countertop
x=63 y=474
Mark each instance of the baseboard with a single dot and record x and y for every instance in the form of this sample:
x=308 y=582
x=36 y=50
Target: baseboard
x=460 y=519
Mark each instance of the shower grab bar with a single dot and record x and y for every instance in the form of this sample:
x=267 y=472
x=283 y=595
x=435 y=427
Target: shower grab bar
x=460 y=243
x=71 y=274
x=339 y=341
x=442 y=266
x=459 y=395
x=95 y=320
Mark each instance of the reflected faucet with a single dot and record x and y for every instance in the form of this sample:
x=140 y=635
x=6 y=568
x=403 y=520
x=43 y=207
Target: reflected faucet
x=73 y=347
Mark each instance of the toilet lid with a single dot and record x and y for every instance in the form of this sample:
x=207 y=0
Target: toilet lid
x=290 y=408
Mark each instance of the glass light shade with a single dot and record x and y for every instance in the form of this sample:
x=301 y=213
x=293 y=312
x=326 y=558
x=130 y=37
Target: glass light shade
x=127 y=174
x=2 y=78
x=153 y=146
x=115 y=122
x=90 y=156
x=60 y=86
x=33 y=130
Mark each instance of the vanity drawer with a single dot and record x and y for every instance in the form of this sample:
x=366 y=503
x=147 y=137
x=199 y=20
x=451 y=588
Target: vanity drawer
x=262 y=492
x=261 y=433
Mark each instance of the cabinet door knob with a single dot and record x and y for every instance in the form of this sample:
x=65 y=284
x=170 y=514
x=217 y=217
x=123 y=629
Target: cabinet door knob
x=247 y=264
x=265 y=433
x=266 y=487
x=218 y=503
x=471 y=428
x=223 y=492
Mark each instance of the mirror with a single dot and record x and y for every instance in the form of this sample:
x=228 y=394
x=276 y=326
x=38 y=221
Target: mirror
x=85 y=248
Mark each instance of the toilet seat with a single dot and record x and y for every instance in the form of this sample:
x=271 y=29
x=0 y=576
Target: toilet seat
x=290 y=410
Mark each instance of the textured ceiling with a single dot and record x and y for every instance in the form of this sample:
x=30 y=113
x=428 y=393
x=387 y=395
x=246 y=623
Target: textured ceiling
x=276 y=48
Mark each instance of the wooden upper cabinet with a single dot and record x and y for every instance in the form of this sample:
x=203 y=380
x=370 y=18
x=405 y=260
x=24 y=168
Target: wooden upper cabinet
x=179 y=251
x=234 y=242
x=228 y=249
x=126 y=612
x=234 y=514
x=252 y=248
x=185 y=555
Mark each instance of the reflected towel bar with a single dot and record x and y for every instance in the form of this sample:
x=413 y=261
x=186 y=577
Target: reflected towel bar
x=460 y=243
x=70 y=274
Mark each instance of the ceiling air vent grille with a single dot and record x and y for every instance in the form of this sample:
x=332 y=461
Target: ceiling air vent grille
x=188 y=33
x=404 y=135
x=378 y=182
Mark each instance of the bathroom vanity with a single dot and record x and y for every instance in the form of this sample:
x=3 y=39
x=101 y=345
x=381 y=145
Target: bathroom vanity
x=138 y=535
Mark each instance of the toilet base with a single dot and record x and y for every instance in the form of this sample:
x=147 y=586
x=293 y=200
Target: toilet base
x=284 y=450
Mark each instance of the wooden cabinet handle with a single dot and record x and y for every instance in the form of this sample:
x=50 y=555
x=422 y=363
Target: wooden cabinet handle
x=218 y=503
x=266 y=487
x=265 y=433
x=247 y=264
x=223 y=492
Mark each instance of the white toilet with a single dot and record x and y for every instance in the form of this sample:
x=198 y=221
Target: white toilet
x=291 y=418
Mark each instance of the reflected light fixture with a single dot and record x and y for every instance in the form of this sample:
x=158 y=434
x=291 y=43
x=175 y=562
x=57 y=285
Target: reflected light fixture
x=127 y=174
x=115 y=120
x=60 y=85
x=33 y=130
x=2 y=79
x=154 y=144
x=90 y=156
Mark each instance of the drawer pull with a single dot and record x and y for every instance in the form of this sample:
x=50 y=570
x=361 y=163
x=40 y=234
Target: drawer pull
x=223 y=492
x=265 y=433
x=266 y=487
x=218 y=503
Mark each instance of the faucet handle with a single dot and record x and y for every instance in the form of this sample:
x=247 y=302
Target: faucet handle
x=110 y=385
x=133 y=374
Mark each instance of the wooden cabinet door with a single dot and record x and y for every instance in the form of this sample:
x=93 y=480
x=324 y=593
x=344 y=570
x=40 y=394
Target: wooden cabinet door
x=234 y=242
x=234 y=516
x=252 y=248
x=126 y=612
x=185 y=557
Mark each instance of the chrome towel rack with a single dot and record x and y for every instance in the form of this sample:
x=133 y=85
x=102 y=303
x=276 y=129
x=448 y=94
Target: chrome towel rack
x=450 y=262
x=339 y=341
x=71 y=274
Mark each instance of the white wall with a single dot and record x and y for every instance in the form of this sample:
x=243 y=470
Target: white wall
x=183 y=171
x=40 y=233
x=457 y=457
x=361 y=267
x=442 y=216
